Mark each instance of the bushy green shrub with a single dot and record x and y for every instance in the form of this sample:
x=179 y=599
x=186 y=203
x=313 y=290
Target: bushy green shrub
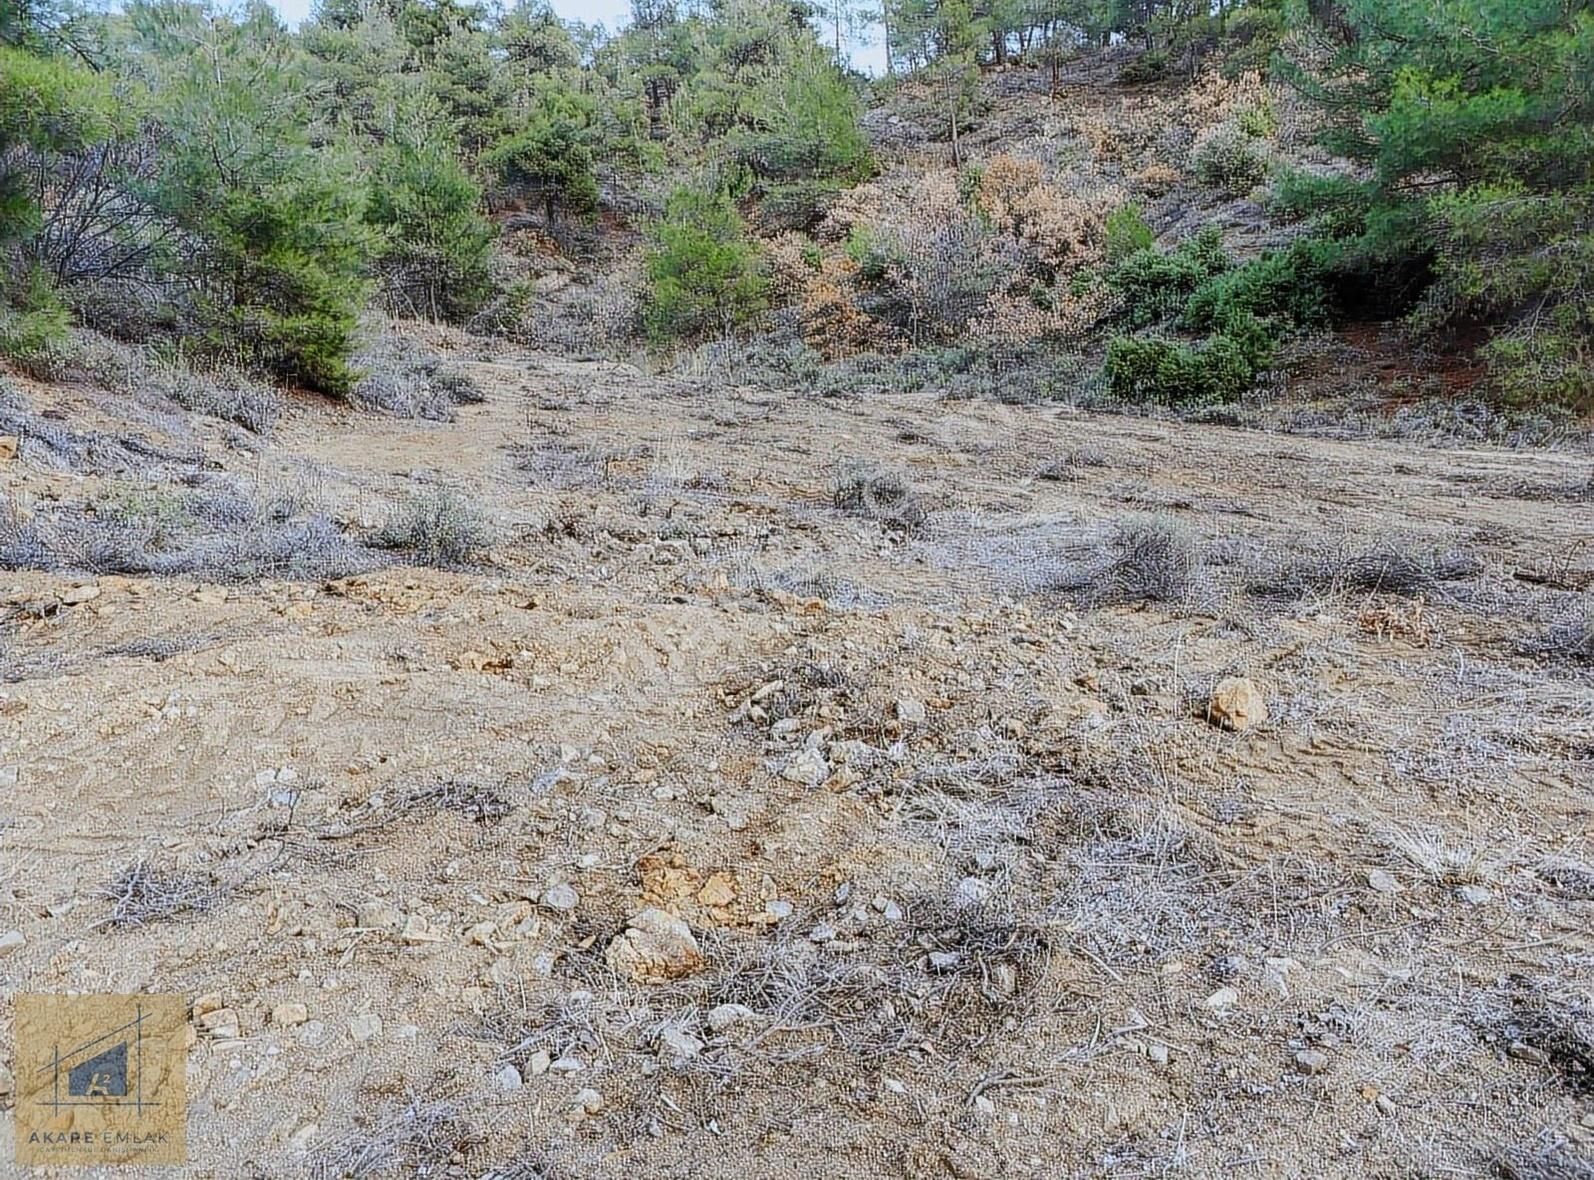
x=1468 y=124
x=1127 y=234
x=1155 y=285
x=1148 y=67
x=704 y=276
x=1151 y=368
x=807 y=144
x=1287 y=287
x=284 y=262
x=34 y=330
x=432 y=242
x=548 y=162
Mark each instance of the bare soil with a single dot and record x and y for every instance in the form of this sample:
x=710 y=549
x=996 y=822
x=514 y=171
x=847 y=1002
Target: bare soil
x=1000 y=898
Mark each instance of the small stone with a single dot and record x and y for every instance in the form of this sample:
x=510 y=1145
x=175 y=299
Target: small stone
x=376 y=914
x=1522 y=1051
x=1385 y=1105
x=824 y=932
x=778 y=909
x=1381 y=881
x=894 y=1086
x=588 y=1100
x=482 y=933
x=1237 y=704
x=676 y=1045
x=290 y=1014
x=910 y=711
x=9 y=443
x=807 y=767
x=1224 y=997
x=944 y=961
x=1311 y=1061
x=1474 y=894
x=561 y=897
x=507 y=1080
x=656 y=947
x=78 y=595
x=208 y=1002
x=417 y=930
x=222 y=1024
x=984 y=1105
x=728 y=1016
x=539 y=1062
x=365 y=1026
x=567 y=1065
x=971 y=891
x=1157 y=1053
x=11 y=942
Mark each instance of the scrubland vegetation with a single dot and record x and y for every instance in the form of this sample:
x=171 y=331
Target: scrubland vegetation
x=630 y=603
x=211 y=184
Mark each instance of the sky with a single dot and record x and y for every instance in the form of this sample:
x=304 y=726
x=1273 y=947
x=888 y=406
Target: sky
x=611 y=14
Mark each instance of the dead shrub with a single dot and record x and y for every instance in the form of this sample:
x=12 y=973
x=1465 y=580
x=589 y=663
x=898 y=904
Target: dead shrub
x=437 y=527
x=863 y=489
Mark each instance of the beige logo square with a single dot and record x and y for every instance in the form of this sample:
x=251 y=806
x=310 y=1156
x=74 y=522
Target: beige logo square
x=101 y=1080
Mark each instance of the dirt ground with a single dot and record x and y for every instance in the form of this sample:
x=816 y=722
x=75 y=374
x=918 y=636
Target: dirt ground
x=975 y=887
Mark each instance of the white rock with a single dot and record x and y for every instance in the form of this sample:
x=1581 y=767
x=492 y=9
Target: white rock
x=910 y=711
x=10 y=942
x=508 y=1079
x=290 y=1014
x=1224 y=997
x=970 y=891
x=807 y=767
x=1380 y=881
x=589 y=1101
x=1474 y=894
x=562 y=897
x=656 y=947
x=365 y=1026
x=677 y=1045
x=303 y=1137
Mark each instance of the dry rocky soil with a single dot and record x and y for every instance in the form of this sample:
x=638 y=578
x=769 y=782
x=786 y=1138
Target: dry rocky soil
x=807 y=787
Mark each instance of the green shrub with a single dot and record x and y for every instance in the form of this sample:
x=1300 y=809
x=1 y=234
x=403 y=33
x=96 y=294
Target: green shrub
x=807 y=144
x=1150 y=368
x=284 y=263
x=1288 y=287
x=1229 y=160
x=1148 y=67
x=1155 y=285
x=1127 y=234
x=35 y=330
x=432 y=242
x=704 y=276
x=548 y=162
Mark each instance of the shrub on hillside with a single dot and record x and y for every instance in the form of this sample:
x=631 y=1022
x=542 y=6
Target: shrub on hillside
x=1155 y=285
x=704 y=276
x=1288 y=287
x=549 y=163
x=1154 y=369
x=1127 y=234
x=431 y=252
x=1228 y=160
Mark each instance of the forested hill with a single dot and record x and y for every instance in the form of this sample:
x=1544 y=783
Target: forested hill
x=1133 y=201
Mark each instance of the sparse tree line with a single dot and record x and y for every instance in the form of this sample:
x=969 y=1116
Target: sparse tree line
x=213 y=182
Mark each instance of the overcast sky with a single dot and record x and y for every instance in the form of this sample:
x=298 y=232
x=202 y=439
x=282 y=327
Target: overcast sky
x=609 y=13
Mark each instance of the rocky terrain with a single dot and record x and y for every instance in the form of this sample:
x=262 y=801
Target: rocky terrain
x=646 y=778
